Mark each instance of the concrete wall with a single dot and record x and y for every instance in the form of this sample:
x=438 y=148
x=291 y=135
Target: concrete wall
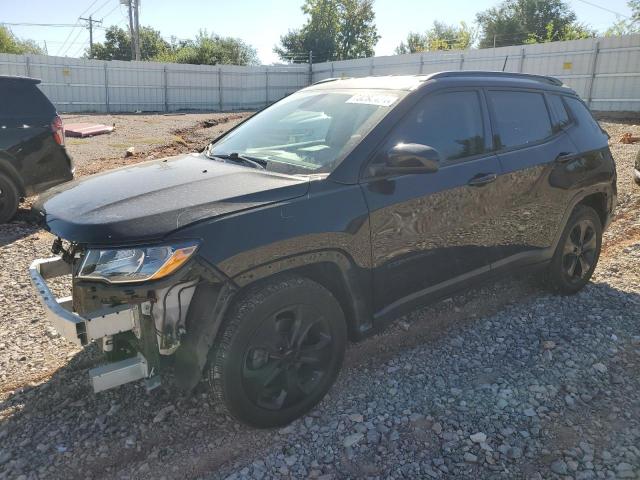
x=78 y=85
x=604 y=71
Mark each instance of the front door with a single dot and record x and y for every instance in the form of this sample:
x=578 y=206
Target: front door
x=431 y=230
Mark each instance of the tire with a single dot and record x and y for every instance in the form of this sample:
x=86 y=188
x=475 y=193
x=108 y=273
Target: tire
x=280 y=350
x=8 y=199
x=577 y=253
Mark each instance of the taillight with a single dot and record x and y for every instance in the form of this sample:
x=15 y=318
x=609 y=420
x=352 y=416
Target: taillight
x=57 y=128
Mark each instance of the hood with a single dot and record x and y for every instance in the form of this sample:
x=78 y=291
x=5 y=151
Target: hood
x=148 y=200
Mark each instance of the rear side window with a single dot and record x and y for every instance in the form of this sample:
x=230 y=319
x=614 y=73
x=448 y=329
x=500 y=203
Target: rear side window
x=23 y=99
x=449 y=122
x=520 y=117
x=559 y=112
x=582 y=115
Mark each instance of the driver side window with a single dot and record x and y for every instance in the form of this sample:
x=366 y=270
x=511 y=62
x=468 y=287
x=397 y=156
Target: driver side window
x=449 y=122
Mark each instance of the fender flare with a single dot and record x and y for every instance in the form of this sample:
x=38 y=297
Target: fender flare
x=604 y=189
x=212 y=299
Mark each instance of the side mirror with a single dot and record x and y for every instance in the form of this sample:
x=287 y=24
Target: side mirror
x=407 y=158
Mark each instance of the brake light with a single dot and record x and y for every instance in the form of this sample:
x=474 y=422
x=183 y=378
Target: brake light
x=57 y=128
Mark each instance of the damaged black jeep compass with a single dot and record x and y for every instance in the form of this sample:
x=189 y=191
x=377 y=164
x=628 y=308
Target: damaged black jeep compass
x=316 y=221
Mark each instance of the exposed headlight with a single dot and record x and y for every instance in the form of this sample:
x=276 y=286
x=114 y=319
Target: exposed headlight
x=125 y=265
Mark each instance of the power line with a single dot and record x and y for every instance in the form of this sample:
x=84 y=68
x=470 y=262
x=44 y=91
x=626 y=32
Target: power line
x=89 y=7
x=68 y=37
x=604 y=8
x=69 y=46
x=26 y=24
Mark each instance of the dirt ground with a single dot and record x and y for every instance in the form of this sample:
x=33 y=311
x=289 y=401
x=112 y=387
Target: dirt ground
x=53 y=426
x=151 y=136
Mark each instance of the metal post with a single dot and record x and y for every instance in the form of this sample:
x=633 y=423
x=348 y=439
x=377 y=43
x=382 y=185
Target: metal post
x=521 y=66
x=166 y=89
x=332 y=74
x=594 y=64
x=106 y=87
x=220 y=88
x=310 y=67
x=372 y=66
x=421 y=63
x=461 y=61
x=27 y=66
x=266 y=86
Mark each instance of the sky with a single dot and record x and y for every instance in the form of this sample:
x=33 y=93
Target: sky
x=258 y=22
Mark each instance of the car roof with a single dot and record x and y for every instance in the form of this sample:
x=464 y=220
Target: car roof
x=468 y=77
x=18 y=78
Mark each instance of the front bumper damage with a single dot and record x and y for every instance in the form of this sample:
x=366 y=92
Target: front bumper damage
x=99 y=325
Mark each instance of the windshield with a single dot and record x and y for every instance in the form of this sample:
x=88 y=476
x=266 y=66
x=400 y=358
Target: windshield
x=309 y=131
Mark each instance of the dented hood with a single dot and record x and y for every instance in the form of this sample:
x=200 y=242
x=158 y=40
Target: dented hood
x=149 y=200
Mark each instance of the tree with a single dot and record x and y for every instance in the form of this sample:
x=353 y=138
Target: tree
x=9 y=43
x=629 y=25
x=211 y=49
x=515 y=22
x=439 y=37
x=117 y=45
x=335 y=30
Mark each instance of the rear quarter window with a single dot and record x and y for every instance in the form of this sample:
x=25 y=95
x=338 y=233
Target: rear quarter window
x=582 y=115
x=520 y=118
x=24 y=99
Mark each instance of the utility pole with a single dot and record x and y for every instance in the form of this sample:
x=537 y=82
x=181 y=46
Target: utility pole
x=136 y=15
x=132 y=33
x=90 y=21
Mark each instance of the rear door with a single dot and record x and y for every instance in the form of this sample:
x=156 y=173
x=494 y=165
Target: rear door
x=531 y=146
x=431 y=230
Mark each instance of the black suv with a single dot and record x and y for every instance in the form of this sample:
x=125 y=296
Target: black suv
x=32 y=153
x=318 y=220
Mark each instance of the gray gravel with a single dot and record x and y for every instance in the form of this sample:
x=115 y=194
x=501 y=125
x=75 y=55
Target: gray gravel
x=504 y=381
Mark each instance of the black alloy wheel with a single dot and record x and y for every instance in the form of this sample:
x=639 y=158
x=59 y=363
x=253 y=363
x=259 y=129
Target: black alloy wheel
x=577 y=253
x=287 y=358
x=580 y=250
x=278 y=352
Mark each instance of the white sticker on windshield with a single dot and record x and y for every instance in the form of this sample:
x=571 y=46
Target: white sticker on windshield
x=379 y=99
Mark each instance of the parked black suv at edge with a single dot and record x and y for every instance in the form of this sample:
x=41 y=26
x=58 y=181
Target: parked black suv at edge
x=32 y=153
x=319 y=219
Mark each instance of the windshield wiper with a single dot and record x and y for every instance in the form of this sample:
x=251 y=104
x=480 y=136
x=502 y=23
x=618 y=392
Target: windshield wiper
x=236 y=157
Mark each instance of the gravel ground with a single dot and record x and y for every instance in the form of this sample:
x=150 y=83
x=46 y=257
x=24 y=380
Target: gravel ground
x=504 y=381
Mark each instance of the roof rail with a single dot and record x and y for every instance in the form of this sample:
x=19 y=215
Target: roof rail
x=325 y=80
x=481 y=73
x=20 y=78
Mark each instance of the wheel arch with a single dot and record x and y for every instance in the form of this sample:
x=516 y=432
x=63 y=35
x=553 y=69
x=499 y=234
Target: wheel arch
x=334 y=270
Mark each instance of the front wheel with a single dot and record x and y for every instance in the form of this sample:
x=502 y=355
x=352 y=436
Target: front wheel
x=577 y=252
x=279 y=352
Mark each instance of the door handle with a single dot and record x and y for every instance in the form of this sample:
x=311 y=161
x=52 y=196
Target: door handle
x=564 y=157
x=482 y=179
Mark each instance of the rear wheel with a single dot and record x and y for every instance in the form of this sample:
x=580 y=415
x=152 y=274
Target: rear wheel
x=8 y=199
x=280 y=351
x=577 y=252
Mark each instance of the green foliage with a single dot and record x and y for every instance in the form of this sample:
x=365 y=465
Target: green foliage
x=9 y=43
x=117 y=45
x=211 y=49
x=627 y=26
x=205 y=49
x=515 y=22
x=335 y=30
x=439 y=37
